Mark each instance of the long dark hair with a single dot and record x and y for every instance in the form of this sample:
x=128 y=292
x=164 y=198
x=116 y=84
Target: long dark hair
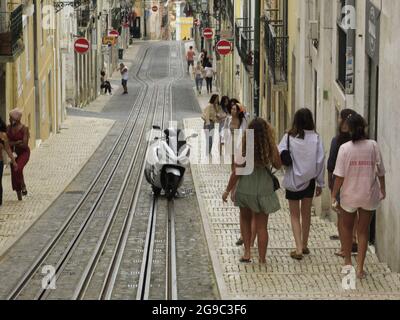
x=3 y=126
x=241 y=113
x=214 y=99
x=344 y=137
x=303 y=120
x=225 y=103
x=357 y=126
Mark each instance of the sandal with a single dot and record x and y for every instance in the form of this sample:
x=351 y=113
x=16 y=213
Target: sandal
x=239 y=242
x=339 y=254
x=243 y=260
x=362 y=275
x=296 y=256
x=347 y=269
x=306 y=251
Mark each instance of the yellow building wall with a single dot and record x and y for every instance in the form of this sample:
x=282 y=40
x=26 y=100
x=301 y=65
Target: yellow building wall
x=20 y=81
x=20 y=85
x=292 y=33
x=46 y=80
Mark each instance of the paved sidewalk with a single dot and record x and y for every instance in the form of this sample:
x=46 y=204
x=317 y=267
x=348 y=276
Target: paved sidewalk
x=316 y=277
x=50 y=170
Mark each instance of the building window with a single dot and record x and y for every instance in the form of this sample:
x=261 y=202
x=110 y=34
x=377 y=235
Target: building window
x=342 y=45
x=42 y=4
x=19 y=76
x=26 y=42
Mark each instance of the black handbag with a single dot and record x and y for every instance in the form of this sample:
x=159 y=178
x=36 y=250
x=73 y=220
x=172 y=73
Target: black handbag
x=286 y=158
x=275 y=180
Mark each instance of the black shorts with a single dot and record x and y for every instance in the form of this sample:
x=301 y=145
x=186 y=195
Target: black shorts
x=124 y=82
x=300 y=195
x=190 y=63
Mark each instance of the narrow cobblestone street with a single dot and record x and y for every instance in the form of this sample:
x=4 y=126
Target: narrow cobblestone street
x=112 y=189
x=51 y=169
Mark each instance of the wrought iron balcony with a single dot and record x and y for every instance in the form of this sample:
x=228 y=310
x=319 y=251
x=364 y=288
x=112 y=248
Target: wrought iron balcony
x=276 y=46
x=11 y=43
x=83 y=15
x=229 y=11
x=244 y=43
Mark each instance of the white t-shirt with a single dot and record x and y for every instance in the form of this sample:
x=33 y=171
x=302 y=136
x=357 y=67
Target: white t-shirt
x=125 y=75
x=209 y=72
x=308 y=161
x=360 y=164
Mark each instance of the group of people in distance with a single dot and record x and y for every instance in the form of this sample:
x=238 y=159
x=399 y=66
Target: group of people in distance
x=202 y=70
x=105 y=84
x=355 y=170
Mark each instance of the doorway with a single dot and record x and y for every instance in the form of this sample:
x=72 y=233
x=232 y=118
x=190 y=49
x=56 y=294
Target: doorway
x=2 y=93
x=373 y=90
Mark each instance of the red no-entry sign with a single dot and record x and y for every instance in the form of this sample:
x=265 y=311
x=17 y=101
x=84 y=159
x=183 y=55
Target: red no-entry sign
x=114 y=33
x=81 y=45
x=208 y=33
x=224 y=47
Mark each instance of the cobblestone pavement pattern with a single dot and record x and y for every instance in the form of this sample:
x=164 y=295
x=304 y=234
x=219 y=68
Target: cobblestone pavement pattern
x=317 y=276
x=51 y=168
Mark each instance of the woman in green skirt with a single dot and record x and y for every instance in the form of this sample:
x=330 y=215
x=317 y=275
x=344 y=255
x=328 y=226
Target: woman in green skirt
x=255 y=192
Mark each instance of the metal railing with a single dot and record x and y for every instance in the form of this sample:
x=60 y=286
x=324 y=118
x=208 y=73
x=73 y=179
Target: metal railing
x=230 y=11
x=244 y=43
x=83 y=16
x=276 y=46
x=11 y=32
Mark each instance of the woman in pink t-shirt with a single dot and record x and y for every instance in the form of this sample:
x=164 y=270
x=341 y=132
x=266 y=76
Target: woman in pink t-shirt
x=360 y=178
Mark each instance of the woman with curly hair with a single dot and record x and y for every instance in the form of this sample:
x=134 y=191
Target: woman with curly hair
x=304 y=178
x=255 y=192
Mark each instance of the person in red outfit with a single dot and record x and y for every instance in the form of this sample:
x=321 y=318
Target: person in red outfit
x=18 y=136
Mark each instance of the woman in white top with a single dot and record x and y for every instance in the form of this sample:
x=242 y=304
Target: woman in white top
x=209 y=72
x=307 y=170
x=234 y=127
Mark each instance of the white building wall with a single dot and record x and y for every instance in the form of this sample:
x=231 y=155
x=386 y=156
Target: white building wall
x=388 y=217
x=325 y=61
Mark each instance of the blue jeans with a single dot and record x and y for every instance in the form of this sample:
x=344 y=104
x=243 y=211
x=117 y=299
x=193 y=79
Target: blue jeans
x=199 y=84
x=210 y=128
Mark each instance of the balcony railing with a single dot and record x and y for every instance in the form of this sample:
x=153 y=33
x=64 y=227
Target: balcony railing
x=230 y=11
x=244 y=43
x=83 y=16
x=11 y=43
x=276 y=46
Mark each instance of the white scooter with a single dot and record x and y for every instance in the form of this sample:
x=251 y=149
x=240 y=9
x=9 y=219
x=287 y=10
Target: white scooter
x=167 y=160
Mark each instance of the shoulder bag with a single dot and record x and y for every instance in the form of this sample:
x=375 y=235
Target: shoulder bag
x=285 y=154
x=275 y=180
